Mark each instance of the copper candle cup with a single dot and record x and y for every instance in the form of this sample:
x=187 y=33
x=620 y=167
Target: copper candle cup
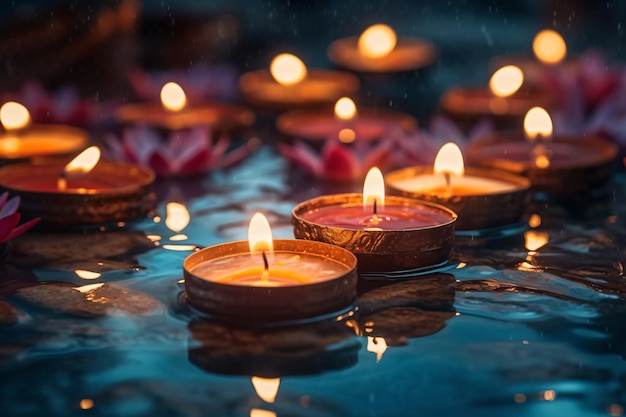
x=476 y=212
x=578 y=165
x=380 y=250
x=271 y=304
x=128 y=195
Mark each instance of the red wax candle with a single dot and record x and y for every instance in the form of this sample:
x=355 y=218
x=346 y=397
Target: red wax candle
x=389 y=217
x=404 y=234
x=370 y=124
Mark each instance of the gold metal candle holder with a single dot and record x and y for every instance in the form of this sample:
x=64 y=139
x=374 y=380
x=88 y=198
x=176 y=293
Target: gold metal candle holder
x=478 y=211
x=320 y=87
x=125 y=194
x=576 y=165
x=468 y=105
x=319 y=125
x=41 y=143
x=221 y=118
x=381 y=250
x=271 y=304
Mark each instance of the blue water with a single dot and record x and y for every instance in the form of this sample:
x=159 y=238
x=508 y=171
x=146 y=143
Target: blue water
x=498 y=330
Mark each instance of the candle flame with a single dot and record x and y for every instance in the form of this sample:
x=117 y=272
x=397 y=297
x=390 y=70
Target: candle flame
x=266 y=388
x=173 y=97
x=81 y=165
x=537 y=124
x=260 y=234
x=506 y=81
x=177 y=217
x=287 y=69
x=374 y=188
x=345 y=109
x=549 y=47
x=377 y=41
x=377 y=345
x=14 y=115
x=449 y=160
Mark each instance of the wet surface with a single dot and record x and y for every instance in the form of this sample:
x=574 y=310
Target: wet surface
x=522 y=323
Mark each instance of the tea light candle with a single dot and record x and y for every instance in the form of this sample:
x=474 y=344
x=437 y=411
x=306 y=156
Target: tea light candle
x=290 y=84
x=173 y=113
x=549 y=50
x=22 y=141
x=84 y=192
x=505 y=102
x=347 y=123
x=557 y=165
x=270 y=280
x=386 y=234
x=481 y=198
x=378 y=50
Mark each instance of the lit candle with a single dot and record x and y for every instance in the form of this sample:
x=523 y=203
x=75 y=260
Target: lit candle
x=385 y=233
x=347 y=123
x=378 y=49
x=84 y=191
x=174 y=113
x=481 y=198
x=553 y=164
x=505 y=101
x=270 y=280
x=21 y=140
x=548 y=49
x=290 y=84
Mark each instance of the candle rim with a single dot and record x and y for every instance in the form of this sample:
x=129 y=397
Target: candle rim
x=356 y=200
x=241 y=247
x=521 y=184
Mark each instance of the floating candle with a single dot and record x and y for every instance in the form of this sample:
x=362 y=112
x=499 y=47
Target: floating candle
x=346 y=123
x=270 y=280
x=548 y=50
x=290 y=84
x=385 y=234
x=174 y=113
x=558 y=165
x=84 y=192
x=481 y=198
x=22 y=141
x=378 y=49
x=505 y=102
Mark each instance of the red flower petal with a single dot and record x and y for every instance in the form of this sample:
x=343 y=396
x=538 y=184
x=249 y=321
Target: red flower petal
x=21 y=229
x=339 y=164
x=7 y=224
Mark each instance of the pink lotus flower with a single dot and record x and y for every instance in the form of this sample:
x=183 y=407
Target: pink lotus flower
x=63 y=106
x=183 y=152
x=585 y=82
x=9 y=218
x=421 y=147
x=337 y=161
x=595 y=103
x=200 y=83
x=340 y=162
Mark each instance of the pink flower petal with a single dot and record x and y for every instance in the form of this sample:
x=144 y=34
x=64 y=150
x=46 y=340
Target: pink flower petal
x=10 y=207
x=302 y=156
x=7 y=224
x=21 y=229
x=198 y=163
x=339 y=164
x=160 y=164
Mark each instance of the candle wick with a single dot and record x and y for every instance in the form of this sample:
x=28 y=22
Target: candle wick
x=446 y=176
x=62 y=182
x=266 y=264
x=375 y=206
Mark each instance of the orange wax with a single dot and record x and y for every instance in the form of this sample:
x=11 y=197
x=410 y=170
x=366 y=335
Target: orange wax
x=42 y=140
x=286 y=268
x=456 y=190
